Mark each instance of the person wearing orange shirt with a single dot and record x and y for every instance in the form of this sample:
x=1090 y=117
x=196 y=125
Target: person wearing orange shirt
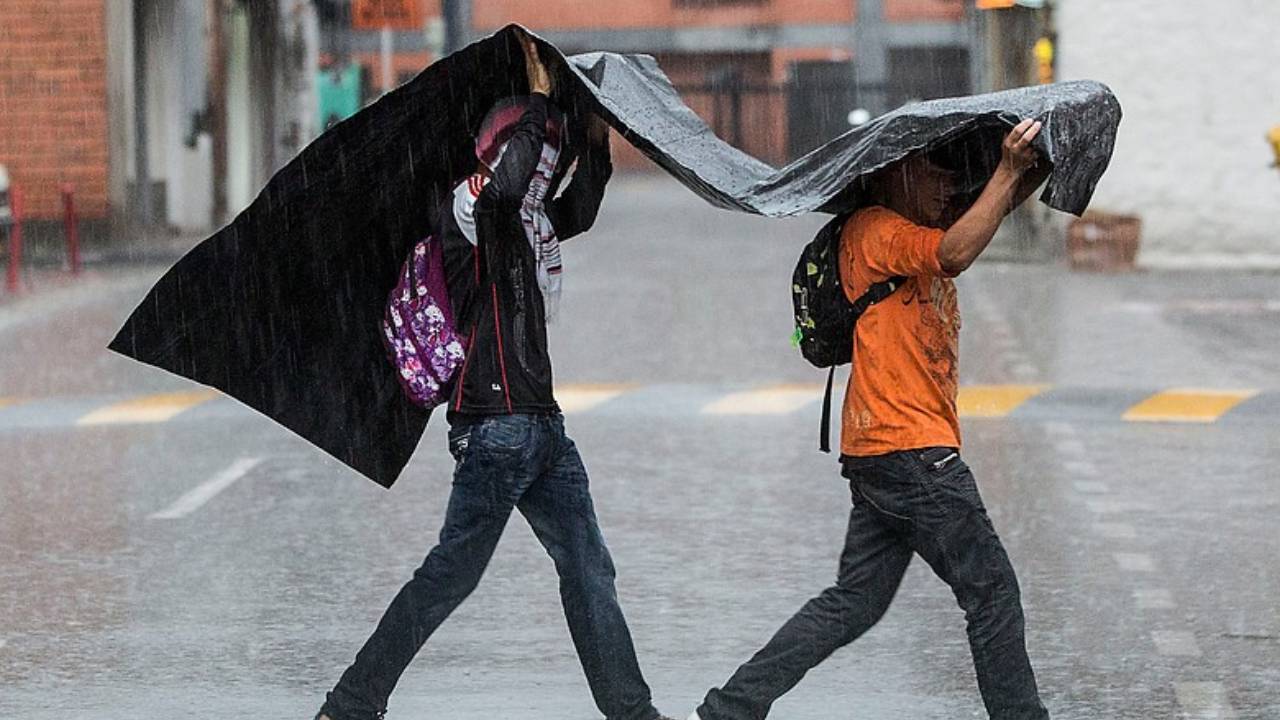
x=900 y=442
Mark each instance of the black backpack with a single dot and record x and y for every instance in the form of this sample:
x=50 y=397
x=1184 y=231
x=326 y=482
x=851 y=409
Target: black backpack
x=824 y=315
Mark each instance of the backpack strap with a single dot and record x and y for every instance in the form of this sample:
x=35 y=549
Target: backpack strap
x=874 y=294
x=877 y=292
x=824 y=433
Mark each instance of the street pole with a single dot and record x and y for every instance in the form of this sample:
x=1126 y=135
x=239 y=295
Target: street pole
x=71 y=227
x=386 y=59
x=142 y=171
x=870 y=57
x=457 y=24
x=217 y=108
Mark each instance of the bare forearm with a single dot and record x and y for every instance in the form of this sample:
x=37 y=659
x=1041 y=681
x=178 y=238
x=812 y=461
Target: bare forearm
x=1014 y=179
x=970 y=235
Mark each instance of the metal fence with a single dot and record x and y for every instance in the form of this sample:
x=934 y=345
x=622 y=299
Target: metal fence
x=776 y=122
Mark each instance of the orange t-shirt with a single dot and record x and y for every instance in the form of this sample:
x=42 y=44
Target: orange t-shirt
x=902 y=391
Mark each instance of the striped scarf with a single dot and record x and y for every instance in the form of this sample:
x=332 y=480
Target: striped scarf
x=538 y=229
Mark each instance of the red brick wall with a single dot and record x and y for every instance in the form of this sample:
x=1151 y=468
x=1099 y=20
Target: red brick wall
x=53 y=102
x=580 y=14
x=909 y=10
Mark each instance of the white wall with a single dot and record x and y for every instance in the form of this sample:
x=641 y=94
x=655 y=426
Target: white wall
x=175 y=88
x=1199 y=83
x=188 y=170
x=119 y=103
x=241 y=182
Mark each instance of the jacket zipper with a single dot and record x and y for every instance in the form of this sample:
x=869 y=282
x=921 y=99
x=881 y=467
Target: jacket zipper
x=502 y=360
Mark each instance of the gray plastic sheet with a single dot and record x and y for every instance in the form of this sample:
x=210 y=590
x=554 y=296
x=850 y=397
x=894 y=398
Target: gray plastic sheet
x=1080 y=121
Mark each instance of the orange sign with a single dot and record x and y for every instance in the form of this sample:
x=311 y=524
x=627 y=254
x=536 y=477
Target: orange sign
x=995 y=4
x=394 y=14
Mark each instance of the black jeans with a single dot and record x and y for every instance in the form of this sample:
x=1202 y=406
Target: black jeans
x=916 y=501
x=506 y=462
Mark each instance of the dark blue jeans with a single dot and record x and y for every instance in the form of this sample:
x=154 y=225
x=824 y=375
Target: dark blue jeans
x=506 y=462
x=904 y=503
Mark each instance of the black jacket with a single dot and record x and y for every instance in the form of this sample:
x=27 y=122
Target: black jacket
x=493 y=285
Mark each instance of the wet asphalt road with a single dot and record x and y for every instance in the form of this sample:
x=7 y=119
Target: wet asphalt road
x=1147 y=551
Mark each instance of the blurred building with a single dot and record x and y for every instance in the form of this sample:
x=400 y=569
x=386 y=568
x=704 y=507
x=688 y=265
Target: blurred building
x=1200 y=86
x=159 y=112
x=228 y=92
x=775 y=77
x=173 y=113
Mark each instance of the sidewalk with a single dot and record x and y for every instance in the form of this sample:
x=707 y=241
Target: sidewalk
x=45 y=267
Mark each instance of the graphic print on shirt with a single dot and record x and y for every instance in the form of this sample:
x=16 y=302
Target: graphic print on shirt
x=940 y=316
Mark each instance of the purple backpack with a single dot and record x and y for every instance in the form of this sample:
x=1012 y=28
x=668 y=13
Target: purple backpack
x=422 y=341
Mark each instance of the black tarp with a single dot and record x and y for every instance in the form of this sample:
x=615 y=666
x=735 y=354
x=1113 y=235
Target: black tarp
x=281 y=308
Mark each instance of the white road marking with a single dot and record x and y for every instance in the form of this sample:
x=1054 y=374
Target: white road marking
x=1178 y=643
x=1091 y=486
x=207 y=490
x=1068 y=446
x=1025 y=371
x=1060 y=428
x=1106 y=506
x=1153 y=599
x=1083 y=468
x=1204 y=701
x=1135 y=562
x=1120 y=531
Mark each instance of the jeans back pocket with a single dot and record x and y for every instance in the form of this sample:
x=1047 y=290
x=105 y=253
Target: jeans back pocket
x=938 y=460
x=503 y=434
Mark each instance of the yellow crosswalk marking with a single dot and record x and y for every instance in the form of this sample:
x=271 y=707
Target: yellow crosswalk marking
x=1194 y=405
x=991 y=401
x=777 y=400
x=580 y=398
x=147 y=409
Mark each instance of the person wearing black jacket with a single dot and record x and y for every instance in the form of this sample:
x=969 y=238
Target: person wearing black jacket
x=501 y=230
